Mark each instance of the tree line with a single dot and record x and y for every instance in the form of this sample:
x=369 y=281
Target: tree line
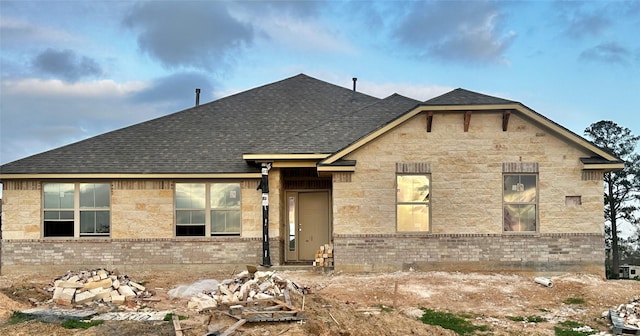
x=621 y=195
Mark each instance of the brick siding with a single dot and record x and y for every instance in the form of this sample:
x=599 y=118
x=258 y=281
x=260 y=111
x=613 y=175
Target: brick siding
x=37 y=255
x=581 y=252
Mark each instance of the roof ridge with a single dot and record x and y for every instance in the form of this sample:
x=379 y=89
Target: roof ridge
x=381 y=101
x=462 y=96
x=319 y=125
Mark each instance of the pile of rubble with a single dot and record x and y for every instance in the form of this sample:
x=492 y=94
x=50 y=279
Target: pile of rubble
x=324 y=256
x=627 y=316
x=246 y=287
x=98 y=286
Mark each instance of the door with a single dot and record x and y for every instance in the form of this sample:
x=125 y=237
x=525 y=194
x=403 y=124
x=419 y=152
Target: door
x=624 y=273
x=308 y=224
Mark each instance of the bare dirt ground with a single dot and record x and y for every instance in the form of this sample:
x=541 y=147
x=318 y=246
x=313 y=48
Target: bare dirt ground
x=336 y=302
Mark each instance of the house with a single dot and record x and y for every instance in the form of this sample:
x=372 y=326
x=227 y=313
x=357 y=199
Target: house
x=461 y=182
x=629 y=271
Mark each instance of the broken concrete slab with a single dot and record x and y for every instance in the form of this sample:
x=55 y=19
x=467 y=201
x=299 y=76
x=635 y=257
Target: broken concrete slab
x=76 y=314
x=132 y=316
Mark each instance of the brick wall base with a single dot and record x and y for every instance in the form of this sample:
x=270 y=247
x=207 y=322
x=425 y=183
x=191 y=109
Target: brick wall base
x=37 y=255
x=541 y=253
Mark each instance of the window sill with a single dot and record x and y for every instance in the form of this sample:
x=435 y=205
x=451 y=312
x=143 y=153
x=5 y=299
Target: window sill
x=526 y=233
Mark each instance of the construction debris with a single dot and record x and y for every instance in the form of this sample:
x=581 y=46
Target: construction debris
x=626 y=317
x=216 y=331
x=177 y=328
x=60 y=313
x=544 y=281
x=324 y=256
x=133 y=316
x=96 y=287
x=245 y=287
x=264 y=311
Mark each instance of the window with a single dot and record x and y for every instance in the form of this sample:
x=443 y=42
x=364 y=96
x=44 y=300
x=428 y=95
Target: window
x=520 y=202
x=85 y=206
x=58 y=209
x=190 y=209
x=225 y=209
x=412 y=203
x=207 y=209
x=94 y=209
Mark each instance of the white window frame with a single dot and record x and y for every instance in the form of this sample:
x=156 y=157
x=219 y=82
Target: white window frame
x=535 y=203
x=426 y=203
x=77 y=209
x=208 y=209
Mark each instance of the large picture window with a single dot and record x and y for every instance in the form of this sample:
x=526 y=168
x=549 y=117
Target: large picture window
x=76 y=207
x=204 y=209
x=413 y=192
x=520 y=202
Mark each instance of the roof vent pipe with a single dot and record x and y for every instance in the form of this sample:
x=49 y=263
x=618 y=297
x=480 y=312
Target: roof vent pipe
x=355 y=79
x=197 y=96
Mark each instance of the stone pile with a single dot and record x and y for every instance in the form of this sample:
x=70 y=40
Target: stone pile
x=629 y=313
x=245 y=287
x=324 y=256
x=98 y=286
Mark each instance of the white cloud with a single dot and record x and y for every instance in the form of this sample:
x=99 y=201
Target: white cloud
x=48 y=88
x=15 y=31
x=456 y=31
x=39 y=115
x=302 y=35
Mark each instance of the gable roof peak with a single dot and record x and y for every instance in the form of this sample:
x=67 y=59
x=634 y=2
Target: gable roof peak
x=462 y=96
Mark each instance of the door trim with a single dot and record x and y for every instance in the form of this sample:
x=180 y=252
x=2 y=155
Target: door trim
x=293 y=256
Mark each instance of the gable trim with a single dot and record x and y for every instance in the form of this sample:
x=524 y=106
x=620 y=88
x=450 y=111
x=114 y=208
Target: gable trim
x=603 y=166
x=515 y=107
x=336 y=168
x=294 y=164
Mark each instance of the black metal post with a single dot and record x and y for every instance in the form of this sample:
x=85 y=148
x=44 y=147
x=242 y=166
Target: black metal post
x=264 y=186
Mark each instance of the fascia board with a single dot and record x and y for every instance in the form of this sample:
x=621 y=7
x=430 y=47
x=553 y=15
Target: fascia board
x=128 y=176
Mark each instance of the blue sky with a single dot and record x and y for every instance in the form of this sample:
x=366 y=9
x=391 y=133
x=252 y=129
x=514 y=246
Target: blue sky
x=74 y=69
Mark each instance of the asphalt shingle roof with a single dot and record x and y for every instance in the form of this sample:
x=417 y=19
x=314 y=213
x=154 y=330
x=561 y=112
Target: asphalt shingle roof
x=340 y=132
x=297 y=115
x=212 y=137
x=466 y=97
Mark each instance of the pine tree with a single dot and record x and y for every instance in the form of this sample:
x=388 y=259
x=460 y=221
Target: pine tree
x=622 y=187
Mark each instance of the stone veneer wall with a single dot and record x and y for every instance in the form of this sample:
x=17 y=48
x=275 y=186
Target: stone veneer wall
x=466 y=177
x=21 y=209
x=542 y=253
x=466 y=208
x=38 y=255
x=142 y=231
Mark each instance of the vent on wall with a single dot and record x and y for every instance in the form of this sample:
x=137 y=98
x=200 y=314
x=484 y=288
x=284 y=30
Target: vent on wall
x=573 y=200
x=304 y=178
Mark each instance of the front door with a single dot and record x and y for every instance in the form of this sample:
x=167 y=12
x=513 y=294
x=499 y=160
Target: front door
x=308 y=224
